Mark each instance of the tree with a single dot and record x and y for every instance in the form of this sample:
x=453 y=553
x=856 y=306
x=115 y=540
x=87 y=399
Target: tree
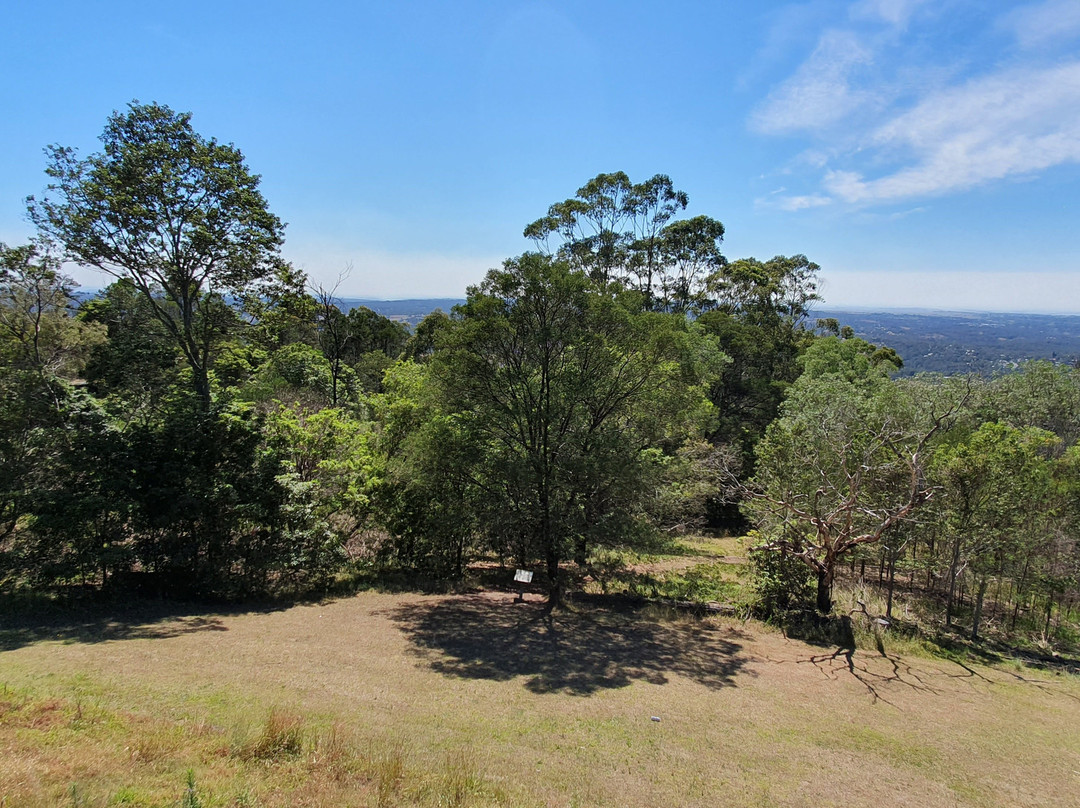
x=561 y=385
x=845 y=462
x=616 y=230
x=138 y=362
x=178 y=215
x=996 y=488
x=37 y=331
x=42 y=348
x=757 y=313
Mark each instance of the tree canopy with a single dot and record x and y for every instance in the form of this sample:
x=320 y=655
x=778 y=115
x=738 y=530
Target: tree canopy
x=562 y=384
x=177 y=214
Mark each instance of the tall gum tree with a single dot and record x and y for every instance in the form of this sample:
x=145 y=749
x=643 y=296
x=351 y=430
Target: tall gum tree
x=845 y=463
x=177 y=214
x=617 y=230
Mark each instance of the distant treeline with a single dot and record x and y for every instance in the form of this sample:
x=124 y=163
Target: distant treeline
x=410 y=311
x=977 y=342
x=928 y=341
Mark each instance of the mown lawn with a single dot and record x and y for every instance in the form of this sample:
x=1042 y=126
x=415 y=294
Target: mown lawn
x=402 y=699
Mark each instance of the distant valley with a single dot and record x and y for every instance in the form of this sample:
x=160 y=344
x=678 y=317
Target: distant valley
x=928 y=341
x=962 y=342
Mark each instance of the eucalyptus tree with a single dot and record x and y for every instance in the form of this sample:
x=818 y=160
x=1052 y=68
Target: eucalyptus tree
x=617 y=230
x=562 y=384
x=995 y=505
x=846 y=461
x=178 y=215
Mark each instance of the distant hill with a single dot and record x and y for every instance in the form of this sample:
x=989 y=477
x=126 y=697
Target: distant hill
x=963 y=342
x=927 y=340
x=408 y=311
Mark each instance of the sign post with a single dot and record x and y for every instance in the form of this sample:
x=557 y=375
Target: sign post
x=522 y=577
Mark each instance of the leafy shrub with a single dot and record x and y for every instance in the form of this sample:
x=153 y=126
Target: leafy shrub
x=778 y=582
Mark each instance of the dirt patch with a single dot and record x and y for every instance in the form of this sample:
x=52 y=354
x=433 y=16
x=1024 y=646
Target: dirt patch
x=593 y=706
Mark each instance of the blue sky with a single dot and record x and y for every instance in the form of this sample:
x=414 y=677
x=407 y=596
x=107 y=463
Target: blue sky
x=923 y=152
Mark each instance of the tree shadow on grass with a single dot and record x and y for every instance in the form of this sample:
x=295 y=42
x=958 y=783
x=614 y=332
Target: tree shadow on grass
x=482 y=636
x=130 y=620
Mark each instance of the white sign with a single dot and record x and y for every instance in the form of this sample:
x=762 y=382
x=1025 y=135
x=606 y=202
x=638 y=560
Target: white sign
x=523 y=576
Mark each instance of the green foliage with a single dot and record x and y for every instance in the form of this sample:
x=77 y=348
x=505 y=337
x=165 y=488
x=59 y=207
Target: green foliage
x=429 y=502
x=36 y=332
x=179 y=216
x=191 y=794
x=371 y=332
x=329 y=455
x=616 y=230
x=1038 y=394
x=560 y=385
x=845 y=463
x=295 y=371
x=137 y=362
x=778 y=582
x=41 y=347
x=421 y=344
x=703 y=583
x=996 y=485
x=75 y=499
x=190 y=503
x=280 y=310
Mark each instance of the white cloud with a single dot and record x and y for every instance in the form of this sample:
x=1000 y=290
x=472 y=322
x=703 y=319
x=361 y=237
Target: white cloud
x=1005 y=125
x=894 y=12
x=1040 y=23
x=891 y=124
x=820 y=92
x=793 y=203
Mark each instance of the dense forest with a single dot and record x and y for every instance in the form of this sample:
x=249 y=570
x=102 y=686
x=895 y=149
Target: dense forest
x=213 y=424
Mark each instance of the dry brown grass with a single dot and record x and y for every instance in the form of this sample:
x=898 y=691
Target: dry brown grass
x=461 y=700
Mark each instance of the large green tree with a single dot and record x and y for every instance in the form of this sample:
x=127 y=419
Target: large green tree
x=995 y=503
x=846 y=461
x=178 y=215
x=561 y=383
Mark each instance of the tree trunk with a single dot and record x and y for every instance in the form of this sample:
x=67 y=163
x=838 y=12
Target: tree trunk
x=954 y=566
x=892 y=583
x=980 y=592
x=824 y=591
x=200 y=379
x=554 y=589
x=551 y=549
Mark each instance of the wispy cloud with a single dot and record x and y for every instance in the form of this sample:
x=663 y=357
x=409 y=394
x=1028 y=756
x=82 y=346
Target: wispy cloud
x=1040 y=23
x=988 y=129
x=885 y=146
x=820 y=92
x=793 y=203
x=894 y=12
x=804 y=202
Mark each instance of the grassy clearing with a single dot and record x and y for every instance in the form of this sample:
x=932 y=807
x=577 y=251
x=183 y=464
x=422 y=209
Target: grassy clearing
x=700 y=569
x=401 y=699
